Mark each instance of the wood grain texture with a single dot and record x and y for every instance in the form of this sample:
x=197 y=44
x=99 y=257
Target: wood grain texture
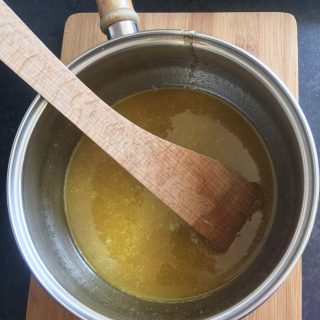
x=270 y=36
x=214 y=199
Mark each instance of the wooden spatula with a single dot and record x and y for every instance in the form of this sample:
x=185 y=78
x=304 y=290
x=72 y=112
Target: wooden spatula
x=212 y=198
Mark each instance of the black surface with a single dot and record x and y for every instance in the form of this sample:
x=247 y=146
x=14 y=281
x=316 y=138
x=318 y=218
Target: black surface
x=46 y=18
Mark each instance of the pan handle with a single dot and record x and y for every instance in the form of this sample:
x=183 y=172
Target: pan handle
x=117 y=17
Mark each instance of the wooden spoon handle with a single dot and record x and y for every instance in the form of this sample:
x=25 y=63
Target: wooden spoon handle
x=134 y=148
x=29 y=58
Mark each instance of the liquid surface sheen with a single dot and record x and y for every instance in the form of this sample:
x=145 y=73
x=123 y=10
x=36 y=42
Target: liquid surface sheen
x=135 y=242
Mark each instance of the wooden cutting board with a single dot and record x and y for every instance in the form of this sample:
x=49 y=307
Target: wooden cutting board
x=272 y=37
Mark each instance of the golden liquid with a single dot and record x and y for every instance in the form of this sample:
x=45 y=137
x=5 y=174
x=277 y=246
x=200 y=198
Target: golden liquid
x=135 y=242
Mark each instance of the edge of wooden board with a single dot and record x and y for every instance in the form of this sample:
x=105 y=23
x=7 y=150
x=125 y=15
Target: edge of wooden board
x=291 y=287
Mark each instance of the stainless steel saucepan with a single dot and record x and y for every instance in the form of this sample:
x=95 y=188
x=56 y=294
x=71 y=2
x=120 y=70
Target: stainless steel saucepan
x=136 y=61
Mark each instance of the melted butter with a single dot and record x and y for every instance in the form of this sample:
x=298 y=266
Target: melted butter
x=135 y=242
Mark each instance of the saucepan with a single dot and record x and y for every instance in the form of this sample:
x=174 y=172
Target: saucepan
x=135 y=61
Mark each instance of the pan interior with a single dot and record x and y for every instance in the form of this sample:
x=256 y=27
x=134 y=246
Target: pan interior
x=130 y=237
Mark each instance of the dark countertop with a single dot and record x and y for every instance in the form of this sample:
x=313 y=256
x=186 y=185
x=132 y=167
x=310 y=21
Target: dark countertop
x=46 y=18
